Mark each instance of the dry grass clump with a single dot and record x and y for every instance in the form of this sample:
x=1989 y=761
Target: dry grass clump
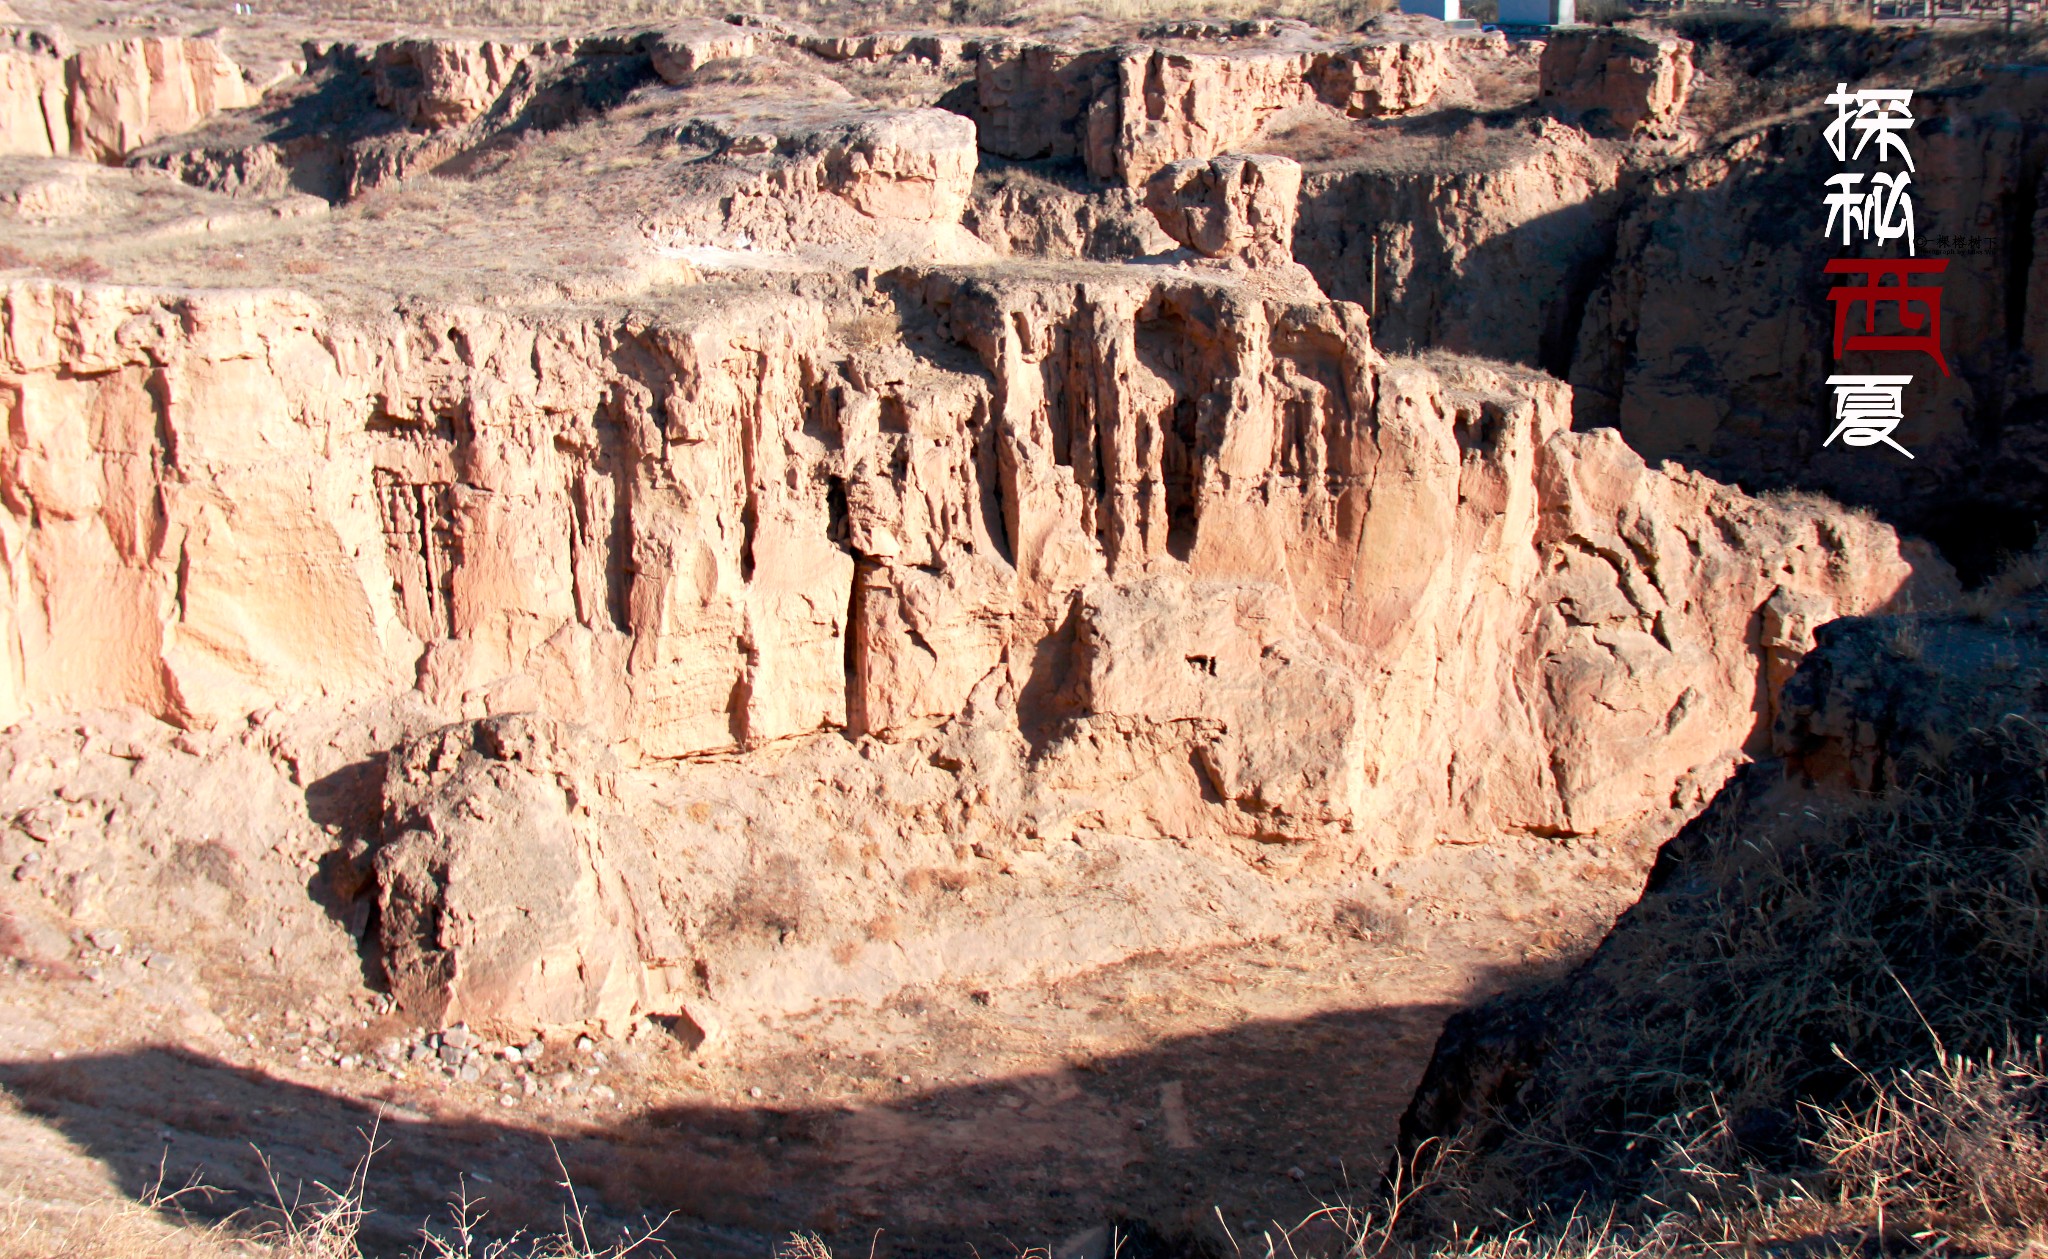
x=1958 y=1149
x=1762 y=1022
x=326 y=1225
x=2021 y=575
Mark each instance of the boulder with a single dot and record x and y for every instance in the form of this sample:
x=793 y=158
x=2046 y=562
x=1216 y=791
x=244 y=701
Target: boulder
x=496 y=901
x=1623 y=80
x=682 y=50
x=441 y=84
x=1230 y=206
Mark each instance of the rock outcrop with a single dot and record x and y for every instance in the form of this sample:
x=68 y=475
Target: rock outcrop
x=1127 y=111
x=1491 y=245
x=1388 y=77
x=681 y=51
x=736 y=501
x=1618 y=79
x=499 y=889
x=103 y=101
x=1710 y=340
x=844 y=548
x=1230 y=207
x=439 y=84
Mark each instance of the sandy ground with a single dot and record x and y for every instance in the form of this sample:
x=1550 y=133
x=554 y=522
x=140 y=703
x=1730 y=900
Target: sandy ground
x=1241 y=1088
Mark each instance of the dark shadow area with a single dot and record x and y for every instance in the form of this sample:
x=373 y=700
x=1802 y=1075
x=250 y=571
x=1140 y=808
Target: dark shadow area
x=1693 y=315
x=1520 y=295
x=351 y=800
x=1069 y=174
x=1868 y=904
x=1264 y=1121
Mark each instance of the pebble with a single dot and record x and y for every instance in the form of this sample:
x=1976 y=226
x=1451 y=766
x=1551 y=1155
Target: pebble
x=458 y=1036
x=471 y=1075
x=513 y=1053
x=508 y=1100
x=755 y=1092
x=903 y=1079
x=106 y=939
x=584 y=1044
x=602 y=1091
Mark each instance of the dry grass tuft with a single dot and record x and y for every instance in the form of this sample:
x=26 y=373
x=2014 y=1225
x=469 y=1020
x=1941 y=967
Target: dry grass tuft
x=2021 y=575
x=1757 y=1036
x=328 y=1225
x=1957 y=1148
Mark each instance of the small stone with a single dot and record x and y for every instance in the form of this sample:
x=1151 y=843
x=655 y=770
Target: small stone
x=584 y=1044
x=533 y=1049
x=106 y=940
x=903 y=1079
x=755 y=1093
x=513 y=1053
x=602 y=1092
x=471 y=1075
x=457 y=1036
x=508 y=1100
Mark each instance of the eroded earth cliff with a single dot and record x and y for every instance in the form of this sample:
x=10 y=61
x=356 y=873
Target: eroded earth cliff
x=723 y=538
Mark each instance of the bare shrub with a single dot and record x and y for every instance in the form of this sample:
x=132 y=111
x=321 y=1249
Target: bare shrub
x=1376 y=921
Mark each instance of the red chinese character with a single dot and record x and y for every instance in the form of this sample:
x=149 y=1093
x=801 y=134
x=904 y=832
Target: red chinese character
x=1874 y=291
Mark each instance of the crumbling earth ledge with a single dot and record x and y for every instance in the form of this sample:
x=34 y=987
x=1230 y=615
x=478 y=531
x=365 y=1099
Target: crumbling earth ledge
x=1126 y=530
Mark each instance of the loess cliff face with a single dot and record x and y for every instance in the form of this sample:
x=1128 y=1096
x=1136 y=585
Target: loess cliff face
x=1070 y=536
x=826 y=559
x=713 y=523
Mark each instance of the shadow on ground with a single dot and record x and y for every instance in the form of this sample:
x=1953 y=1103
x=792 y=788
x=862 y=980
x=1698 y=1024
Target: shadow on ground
x=1258 y=1123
